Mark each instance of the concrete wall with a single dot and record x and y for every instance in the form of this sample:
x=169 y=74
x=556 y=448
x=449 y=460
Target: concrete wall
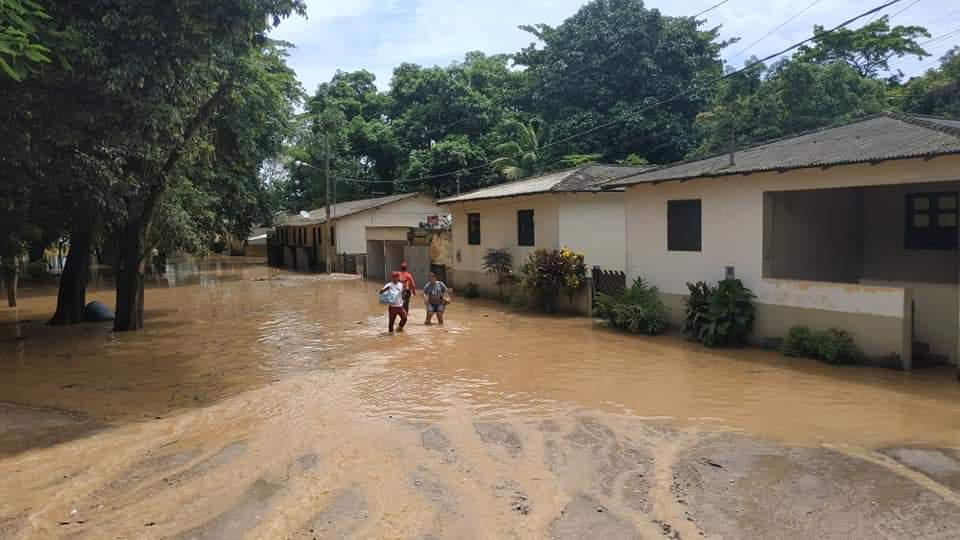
x=498 y=229
x=594 y=224
x=884 y=255
x=733 y=225
x=817 y=235
x=351 y=230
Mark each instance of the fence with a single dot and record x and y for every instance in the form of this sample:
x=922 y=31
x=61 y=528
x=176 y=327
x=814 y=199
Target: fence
x=609 y=282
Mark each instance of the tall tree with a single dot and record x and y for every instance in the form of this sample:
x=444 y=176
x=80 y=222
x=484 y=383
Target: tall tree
x=867 y=49
x=937 y=91
x=613 y=60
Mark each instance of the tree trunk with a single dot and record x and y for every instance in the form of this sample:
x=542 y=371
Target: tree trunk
x=10 y=281
x=129 y=315
x=72 y=295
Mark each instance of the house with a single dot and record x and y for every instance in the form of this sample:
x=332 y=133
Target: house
x=853 y=226
x=563 y=208
x=362 y=230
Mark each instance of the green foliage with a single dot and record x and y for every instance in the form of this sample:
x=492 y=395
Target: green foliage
x=574 y=271
x=542 y=277
x=637 y=310
x=936 y=92
x=633 y=160
x=867 y=49
x=720 y=316
x=546 y=273
x=520 y=158
x=833 y=346
x=696 y=307
x=472 y=290
x=612 y=59
x=788 y=98
x=571 y=161
x=35 y=270
x=443 y=162
x=499 y=263
x=22 y=23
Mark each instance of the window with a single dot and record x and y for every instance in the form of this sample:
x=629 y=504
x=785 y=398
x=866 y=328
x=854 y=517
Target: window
x=525 y=230
x=683 y=225
x=333 y=235
x=931 y=221
x=473 y=229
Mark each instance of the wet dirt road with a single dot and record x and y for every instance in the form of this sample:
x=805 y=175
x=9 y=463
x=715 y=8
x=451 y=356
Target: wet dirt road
x=264 y=404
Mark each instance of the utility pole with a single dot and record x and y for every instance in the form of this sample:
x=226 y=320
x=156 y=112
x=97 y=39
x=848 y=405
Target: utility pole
x=328 y=260
x=459 y=172
x=733 y=141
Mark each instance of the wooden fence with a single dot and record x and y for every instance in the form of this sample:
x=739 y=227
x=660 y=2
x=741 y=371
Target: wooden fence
x=609 y=282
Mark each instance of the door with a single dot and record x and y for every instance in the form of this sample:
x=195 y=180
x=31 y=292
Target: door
x=418 y=262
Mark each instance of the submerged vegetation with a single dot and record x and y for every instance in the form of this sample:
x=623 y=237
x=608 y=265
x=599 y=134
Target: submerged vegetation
x=637 y=309
x=833 y=346
x=719 y=316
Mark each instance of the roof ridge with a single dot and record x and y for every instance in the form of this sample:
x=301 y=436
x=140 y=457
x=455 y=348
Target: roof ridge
x=863 y=118
x=927 y=122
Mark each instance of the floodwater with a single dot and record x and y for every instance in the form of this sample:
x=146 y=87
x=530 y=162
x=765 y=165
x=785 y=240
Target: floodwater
x=266 y=403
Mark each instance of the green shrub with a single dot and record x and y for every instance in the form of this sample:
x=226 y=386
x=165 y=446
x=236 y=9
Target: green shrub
x=720 y=316
x=637 y=310
x=36 y=270
x=695 y=308
x=499 y=264
x=472 y=290
x=545 y=273
x=833 y=346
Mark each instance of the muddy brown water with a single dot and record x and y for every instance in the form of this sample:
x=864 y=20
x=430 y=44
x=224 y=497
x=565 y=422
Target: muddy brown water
x=274 y=404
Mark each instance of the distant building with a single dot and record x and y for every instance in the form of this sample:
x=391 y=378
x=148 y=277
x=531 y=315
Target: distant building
x=853 y=226
x=359 y=230
x=560 y=209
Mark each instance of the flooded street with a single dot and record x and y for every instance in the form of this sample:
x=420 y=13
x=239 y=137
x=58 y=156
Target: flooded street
x=266 y=404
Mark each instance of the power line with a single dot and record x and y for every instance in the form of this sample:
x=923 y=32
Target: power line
x=544 y=85
x=771 y=32
x=675 y=97
x=910 y=5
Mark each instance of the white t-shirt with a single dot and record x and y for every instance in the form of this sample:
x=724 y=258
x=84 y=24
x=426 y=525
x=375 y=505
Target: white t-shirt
x=398 y=289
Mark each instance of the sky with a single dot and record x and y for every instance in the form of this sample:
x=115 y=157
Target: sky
x=378 y=35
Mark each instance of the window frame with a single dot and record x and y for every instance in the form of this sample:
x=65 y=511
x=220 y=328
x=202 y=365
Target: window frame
x=521 y=240
x=473 y=217
x=675 y=240
x=938 y=237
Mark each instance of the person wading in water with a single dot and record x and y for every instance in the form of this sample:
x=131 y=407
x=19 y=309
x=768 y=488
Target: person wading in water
x=392 y=295
x=436 y=297
x=409 y=286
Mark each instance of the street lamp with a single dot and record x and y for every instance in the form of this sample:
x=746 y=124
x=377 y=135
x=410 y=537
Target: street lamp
x=327 y=258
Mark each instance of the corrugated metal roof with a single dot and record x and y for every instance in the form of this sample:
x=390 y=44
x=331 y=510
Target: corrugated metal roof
x=343 y=209
x=584 y=178
x=872 y=139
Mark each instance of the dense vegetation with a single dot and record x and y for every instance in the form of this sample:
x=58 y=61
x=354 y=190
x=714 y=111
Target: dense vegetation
x=134 y=126
x=488 y=119
x=719 y=315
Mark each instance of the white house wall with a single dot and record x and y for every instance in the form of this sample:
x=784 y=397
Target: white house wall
x=351 y=230
x=498 y=229
x=732 y=235
x=594 y=224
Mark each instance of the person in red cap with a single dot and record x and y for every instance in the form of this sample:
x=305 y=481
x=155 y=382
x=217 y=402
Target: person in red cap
x=409 y=286
x=395 y=298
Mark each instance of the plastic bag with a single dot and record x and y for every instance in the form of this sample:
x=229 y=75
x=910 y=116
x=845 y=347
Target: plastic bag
x=389 y=297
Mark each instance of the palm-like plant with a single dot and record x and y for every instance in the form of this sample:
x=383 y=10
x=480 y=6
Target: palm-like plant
x=520 y=158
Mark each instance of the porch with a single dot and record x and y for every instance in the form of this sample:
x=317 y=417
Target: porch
x=870 y=254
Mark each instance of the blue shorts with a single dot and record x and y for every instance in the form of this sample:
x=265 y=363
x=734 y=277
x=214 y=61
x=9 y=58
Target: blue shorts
x=435 y=308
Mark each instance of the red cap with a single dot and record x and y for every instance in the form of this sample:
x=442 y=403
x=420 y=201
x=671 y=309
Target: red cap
x=403 y=266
